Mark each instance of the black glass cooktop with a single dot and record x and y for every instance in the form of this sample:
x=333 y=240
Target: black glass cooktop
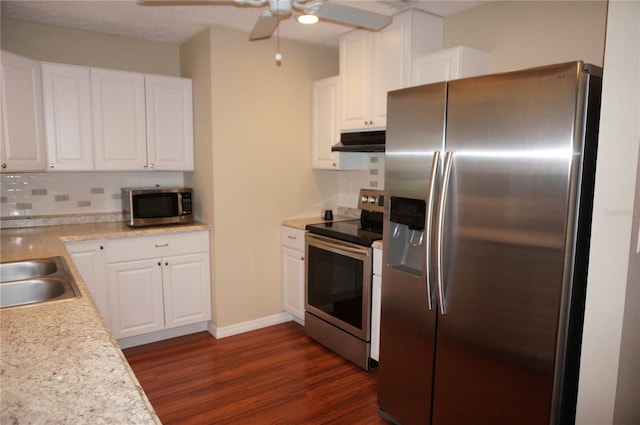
x=361 y=232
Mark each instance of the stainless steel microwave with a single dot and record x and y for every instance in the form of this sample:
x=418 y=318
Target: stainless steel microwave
x=153 y=206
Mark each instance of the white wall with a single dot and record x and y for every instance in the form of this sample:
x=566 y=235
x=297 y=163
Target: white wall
x=523 y=34
x=612 y=223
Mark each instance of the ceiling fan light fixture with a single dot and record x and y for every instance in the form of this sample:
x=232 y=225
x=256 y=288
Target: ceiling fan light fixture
x=307 y=19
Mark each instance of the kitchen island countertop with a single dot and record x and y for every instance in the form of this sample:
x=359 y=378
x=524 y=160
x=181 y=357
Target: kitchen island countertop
x=59 y=362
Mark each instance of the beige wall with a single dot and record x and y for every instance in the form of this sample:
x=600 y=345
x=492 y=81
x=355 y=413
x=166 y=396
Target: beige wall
x=521 y=34
x=255 y=167
x=77 y=47
x=195 y=60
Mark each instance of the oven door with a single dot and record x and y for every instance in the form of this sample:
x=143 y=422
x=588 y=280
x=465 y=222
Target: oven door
x=338 y=283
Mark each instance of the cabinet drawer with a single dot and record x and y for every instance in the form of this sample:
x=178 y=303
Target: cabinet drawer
x=144 y=247
x=293 y=238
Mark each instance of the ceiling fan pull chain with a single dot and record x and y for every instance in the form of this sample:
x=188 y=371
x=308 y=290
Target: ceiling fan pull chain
x=278 y=55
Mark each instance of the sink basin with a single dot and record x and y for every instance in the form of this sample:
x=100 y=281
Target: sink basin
x=36 y=281
x=27 y=269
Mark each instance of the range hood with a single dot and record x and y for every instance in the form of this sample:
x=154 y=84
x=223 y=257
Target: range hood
x=360 y=141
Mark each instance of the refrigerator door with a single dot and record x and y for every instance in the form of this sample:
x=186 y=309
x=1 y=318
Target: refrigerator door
x=508 y=228
x=415 y=138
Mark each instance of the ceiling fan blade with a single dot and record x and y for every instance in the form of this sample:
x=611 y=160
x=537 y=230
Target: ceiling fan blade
x=183 y=2
x=353 y=16
x=264 y=27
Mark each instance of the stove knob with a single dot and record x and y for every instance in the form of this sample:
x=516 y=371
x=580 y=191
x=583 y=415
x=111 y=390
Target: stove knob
x=372 y=200
x=364 y=199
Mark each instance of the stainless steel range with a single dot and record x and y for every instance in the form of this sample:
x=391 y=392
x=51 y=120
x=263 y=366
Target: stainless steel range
x=338 y=279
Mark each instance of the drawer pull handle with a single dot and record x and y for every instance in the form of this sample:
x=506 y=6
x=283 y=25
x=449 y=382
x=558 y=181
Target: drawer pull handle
x=292 y=237
x=162 y=245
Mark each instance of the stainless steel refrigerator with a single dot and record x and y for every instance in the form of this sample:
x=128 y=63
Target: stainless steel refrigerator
x=488 y=187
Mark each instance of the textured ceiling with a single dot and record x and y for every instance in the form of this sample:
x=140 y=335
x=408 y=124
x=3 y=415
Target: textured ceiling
x=176 y=24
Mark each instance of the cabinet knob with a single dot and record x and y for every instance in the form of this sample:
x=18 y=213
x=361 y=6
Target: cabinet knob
x=144 y=165
x=51 y=165
x=159 y=263
x=101 y=247
x=151 y=165
x=166 y=263
x=4 y=165
x=301 y=258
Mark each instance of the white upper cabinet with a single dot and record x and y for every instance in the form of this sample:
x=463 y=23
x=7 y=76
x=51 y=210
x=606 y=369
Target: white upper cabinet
x=169 y=123
x=449 y=64
x=142 y=122
x=66 y=95
x=325 y=132
x=21 y=126
x=373 y=63
x=119 y=123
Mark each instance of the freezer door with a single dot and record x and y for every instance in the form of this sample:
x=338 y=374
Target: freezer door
x=508 y=228
x=415 y=134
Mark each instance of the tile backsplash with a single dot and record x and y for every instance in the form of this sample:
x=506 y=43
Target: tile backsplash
x=37 y=194
x=352 y=181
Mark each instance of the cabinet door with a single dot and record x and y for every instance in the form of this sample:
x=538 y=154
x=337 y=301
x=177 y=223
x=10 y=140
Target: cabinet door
x=22 y=129
x=391 y=62
x=119 y=123
x=187 y=289
x=435 y=67
x=89 y=259
x=449 y=64
x=325 y=132
x=66 y=94
x=135 y=297
x=293 y=282
x=169 y=123
x=355 y=80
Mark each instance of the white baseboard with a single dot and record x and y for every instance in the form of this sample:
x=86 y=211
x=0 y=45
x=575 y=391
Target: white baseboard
x=251 y=325
x=133 y=341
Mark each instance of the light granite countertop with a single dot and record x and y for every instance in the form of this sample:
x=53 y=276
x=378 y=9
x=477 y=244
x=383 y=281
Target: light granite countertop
x=59 y=362
x=301 y=223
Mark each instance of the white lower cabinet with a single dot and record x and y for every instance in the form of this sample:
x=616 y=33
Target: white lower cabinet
x=293 y=262
x=136 y=297
x=148 y=284
x=89 y=259
x=158 y=282
x=376 y=296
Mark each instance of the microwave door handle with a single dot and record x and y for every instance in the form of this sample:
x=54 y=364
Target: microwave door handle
x=433 y=175
x=448 y=160
x=179 y=204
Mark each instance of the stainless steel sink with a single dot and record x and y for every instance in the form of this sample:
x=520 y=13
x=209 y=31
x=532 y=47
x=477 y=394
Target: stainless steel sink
x=36 y=281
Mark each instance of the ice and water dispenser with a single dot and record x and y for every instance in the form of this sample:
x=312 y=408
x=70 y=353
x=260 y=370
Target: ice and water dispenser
x=406 y=237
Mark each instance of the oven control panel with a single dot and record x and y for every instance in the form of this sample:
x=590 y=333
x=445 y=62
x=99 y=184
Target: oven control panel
x=371 y=200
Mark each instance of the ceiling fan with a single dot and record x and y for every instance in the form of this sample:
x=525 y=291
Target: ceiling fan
x=281 y=9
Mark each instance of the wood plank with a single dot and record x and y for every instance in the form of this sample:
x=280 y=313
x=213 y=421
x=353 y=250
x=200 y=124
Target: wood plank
x=275 y=375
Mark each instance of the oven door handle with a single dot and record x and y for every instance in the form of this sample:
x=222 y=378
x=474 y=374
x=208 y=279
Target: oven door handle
x=329 y=243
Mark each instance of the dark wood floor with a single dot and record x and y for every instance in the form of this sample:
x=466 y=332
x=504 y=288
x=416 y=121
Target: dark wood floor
x=274 y=375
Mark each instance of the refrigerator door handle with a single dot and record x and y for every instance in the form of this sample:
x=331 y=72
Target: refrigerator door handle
x=433 y=175
x=446 y=174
